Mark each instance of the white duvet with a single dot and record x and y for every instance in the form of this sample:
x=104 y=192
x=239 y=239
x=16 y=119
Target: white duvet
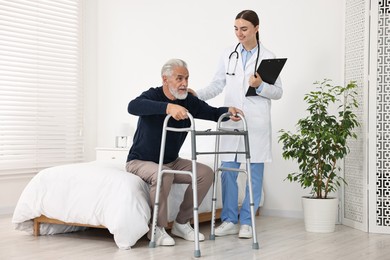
x=94 y=193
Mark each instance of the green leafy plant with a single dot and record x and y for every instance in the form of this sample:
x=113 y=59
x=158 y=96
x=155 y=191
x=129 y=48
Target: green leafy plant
x=321 y=137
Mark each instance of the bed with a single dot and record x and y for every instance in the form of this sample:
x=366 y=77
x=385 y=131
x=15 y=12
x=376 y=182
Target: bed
x=97 y=194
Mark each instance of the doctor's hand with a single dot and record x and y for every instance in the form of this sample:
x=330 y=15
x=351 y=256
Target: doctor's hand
x=177 y=112
x=191 y=91
x=255 y=82
x=234 y=111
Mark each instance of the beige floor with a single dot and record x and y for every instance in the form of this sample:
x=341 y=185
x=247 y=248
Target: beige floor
x=279 y=238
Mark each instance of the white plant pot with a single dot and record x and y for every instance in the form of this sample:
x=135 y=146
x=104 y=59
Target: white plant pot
x=320 y=214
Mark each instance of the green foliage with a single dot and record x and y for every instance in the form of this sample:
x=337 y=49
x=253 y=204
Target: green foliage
x=321 y=138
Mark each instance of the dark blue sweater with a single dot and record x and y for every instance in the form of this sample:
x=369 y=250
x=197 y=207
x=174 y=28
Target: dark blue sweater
x=151 y=107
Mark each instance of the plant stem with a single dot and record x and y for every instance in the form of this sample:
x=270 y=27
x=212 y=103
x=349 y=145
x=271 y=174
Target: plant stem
x=319 y=171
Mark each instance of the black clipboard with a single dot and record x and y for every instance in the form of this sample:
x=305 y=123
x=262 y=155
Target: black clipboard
x=269 y=71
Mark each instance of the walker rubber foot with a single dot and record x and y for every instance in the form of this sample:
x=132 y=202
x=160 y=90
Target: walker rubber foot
x=212 y=237
x=255 y=245
x=152 y=244
x=197 y=253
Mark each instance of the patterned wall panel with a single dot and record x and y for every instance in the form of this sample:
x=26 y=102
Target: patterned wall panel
x=383 y=117
x=356 y=32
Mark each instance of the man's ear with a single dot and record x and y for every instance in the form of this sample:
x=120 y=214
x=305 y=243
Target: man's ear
x=164 y=79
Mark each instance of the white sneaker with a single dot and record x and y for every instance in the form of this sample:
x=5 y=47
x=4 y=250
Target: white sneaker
x=185 y=231
x=162 y=238
x=245 y=231
x=226 y=228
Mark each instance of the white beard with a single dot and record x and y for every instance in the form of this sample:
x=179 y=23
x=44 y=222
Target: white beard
x=176 y=94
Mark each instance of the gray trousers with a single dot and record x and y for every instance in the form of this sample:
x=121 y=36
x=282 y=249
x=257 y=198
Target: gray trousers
x=147 y=171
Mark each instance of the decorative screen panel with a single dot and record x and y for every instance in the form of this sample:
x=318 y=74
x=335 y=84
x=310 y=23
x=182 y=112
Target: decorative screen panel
x=382 y=176
x=356 y=61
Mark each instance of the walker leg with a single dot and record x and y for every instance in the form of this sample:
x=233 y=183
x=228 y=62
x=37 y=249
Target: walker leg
x=214 y=206
x=152 y=242
x=255 y=244
x=195 y=202
x=160 y=172
x=215 y=184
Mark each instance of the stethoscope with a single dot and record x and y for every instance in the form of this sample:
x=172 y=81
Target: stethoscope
x=235 y=53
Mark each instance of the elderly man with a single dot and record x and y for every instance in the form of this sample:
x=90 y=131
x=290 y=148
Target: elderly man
x=152 y=106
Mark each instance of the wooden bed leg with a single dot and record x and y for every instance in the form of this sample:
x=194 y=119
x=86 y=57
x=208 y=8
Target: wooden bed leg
x=36 y=227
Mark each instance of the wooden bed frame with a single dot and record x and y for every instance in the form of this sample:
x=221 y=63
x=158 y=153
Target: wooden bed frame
x=203 y=217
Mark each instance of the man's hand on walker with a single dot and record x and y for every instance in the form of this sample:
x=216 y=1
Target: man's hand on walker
x=177 y=112
x=234 y=111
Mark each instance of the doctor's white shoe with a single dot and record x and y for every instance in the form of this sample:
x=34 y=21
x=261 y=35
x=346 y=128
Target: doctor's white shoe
x=162 y=238
x=185 y=231
x=226 y=228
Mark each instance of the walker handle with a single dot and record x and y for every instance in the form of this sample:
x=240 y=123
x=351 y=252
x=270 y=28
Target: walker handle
x=173 y=129
x=228 y=115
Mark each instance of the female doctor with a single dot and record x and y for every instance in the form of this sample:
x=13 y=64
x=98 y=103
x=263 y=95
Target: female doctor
x=235 y=74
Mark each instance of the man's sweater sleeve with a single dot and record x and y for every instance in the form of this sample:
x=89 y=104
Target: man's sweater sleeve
x=147 y=104
x=205 y=111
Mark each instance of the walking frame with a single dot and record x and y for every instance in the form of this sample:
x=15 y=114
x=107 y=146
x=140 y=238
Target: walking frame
x=219 y=131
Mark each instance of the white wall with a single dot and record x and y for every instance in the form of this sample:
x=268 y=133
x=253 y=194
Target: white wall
x=126 y=43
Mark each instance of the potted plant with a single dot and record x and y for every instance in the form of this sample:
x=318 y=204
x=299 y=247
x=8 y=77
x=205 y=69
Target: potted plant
x=318 y=145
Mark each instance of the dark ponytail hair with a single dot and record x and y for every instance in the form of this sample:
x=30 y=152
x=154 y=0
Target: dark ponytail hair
x=251 y=17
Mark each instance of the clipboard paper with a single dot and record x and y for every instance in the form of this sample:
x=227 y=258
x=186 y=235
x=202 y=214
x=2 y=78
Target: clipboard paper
x=269 y=71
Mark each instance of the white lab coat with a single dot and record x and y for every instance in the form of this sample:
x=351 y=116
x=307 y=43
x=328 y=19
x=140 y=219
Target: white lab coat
x=257 y=109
